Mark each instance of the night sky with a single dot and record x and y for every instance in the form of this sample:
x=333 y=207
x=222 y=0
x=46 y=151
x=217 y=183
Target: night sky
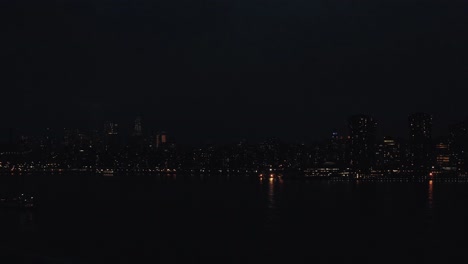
x=229 y=69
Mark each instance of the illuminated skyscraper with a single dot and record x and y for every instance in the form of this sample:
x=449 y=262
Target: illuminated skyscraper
x=442 y=155
x=420 y=142
x=388 y=154
x=362 y=130
x=161 y=139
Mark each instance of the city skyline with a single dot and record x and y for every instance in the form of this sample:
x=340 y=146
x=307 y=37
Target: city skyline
x=129 y=127
x=359 y=151
x=219 y=131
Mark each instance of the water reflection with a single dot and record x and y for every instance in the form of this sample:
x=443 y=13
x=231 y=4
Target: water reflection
x=272 y=217
x=430 y=202
x=430 y=195
x=271 y=193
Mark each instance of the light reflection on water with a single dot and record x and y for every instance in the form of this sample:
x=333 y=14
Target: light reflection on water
x=272 y=217
x=271 y=193
x=430 y=195
x=430 y=203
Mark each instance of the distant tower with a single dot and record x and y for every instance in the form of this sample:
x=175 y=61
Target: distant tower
x=420 y=141
x=111 y=128
x=163 y=138
x=362 y=131
x=137 y=130
x=158 y=140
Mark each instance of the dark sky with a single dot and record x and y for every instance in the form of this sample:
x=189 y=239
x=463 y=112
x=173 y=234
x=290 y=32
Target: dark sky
x=227 y=69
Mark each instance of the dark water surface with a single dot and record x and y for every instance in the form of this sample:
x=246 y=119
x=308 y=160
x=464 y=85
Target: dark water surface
x=186 y=219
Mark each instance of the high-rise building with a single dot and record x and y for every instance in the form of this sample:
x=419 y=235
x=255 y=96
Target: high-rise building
x=158 y=140
x=137 y=142
x=111 y=136
x=137 y=131
x=388 y=154
x=458 y=146
x=335 y=150
x=442 y=155
x=362 y=132
x=111 y=128
x=161 y=139
x=420 y=142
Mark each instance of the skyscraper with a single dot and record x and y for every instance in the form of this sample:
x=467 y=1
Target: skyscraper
x=388 y=154
x=458 y=146
x=161 y=139
x=442 y=155
x=158 y=140
x=111 y=128
x=420 y=142
x=111 y=136
x=362 y=131
x=137 y=129
x=335 y=150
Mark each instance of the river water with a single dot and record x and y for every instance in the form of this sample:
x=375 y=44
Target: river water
x=234 y=219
